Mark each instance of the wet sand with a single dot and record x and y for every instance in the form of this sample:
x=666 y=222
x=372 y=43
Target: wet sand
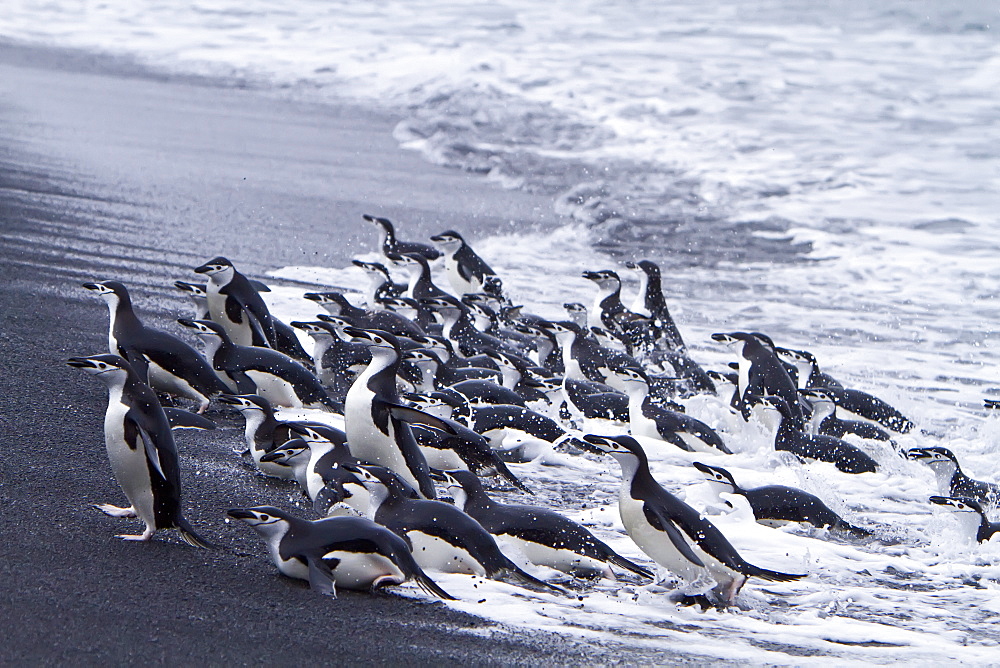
x=108 y=171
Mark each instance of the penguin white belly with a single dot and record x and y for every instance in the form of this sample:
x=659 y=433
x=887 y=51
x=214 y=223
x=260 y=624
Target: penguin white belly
x=696 y=444
x=643 y=426
x=653 y=542
x=563 y=560
x=363 y=570
x=461 y=286
x=164 y=381
x=240 y=332
x=443 y=459
x=368 y=443
x=276 y=390
x=433 y=553
x=130 y=467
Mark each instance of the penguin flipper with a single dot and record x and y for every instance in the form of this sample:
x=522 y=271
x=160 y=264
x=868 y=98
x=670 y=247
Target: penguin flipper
x=414 y=416
x=621 y=562
x=152 y=454
x=658 y=521
x=321 y=577
x=182 y=419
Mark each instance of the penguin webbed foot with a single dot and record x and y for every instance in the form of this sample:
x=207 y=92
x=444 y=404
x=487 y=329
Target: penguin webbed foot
x=143 y=537
x=114 y=511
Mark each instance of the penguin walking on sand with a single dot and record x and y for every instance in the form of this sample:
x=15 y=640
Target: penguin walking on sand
x=345 y=552
x=167 y=363
x=141 y=451
x=671 y=532
x=441 y=536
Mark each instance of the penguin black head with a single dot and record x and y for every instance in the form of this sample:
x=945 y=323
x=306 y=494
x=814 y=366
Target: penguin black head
x=109 y=289
x=795 y=356
x=764 y=340
x=444 y=304
x=722 y=377
x=307 y=434
x=936 y=457
x=769 y=402
x=718 y=475
x=731 y=338
x=266 y=520
x=205 y=328
x=621 y=448
x=321 y=328
x=404 y=304
x=605 y=278
x=461 y=486
x=379 y=478
x=561 y=327
x=215 y=266
x=193 y=289
x=375 y=339
x=107 y=366
x=418 y=355
x=247 y=402
x=372 y=267
x=959 y=505
x=816 y=395
x=334 y=302
x=449 y=241
x=484 y=298
x=384 y=223
x=629 y=377
x=429 y=401
x=650 y=268
x=284 y=454
x=575 y=307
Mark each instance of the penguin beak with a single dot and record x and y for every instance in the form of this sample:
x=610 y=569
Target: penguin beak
x=92 y=286
x=591 y=275
x=722 y=338
x=81 y=363
x=916 y=454
x=599 y=445
x=241 y=514
x=701 y=467
x=356 y=333
x=230 y=400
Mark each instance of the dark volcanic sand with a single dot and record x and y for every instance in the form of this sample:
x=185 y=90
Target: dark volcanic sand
x=107 y=171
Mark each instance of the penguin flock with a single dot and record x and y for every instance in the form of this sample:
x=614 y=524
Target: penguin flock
x=424 y=401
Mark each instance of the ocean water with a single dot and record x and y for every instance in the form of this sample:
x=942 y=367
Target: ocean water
x=823 y=172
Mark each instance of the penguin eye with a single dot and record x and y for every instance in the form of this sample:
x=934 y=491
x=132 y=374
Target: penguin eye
x=264 y=518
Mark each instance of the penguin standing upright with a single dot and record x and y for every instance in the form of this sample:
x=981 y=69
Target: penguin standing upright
x=141 y=450
x=168 y=364
x=467 y=272
x=373 y=433
x=234 y=303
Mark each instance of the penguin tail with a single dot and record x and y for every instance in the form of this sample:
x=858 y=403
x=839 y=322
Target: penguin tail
x=622 y=562
x=335 y=406
x=432 y=588
x=772 y=576
x=515 y=575
x=191 y=537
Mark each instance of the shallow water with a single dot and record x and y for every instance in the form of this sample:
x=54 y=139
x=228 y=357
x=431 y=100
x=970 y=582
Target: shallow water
x=823 y=174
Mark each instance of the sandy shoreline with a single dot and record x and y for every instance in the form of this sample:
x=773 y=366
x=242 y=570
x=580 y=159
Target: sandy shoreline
x=107 y=173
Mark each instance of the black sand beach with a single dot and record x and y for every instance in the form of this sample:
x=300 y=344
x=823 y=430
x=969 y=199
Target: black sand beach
x=107 y=171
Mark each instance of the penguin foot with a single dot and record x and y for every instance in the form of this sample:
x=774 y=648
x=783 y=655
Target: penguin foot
x=114 y=511
x=144 y=536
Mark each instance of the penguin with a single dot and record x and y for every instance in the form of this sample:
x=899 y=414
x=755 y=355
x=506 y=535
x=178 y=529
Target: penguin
x=333 y=357
x=950 y=478
x=546 y=538
x=455 y=446
x=264 y=432
x=382 y=286
x=807 y=370
x=650 y=302
x=336 y=304
x=824 y=421
x=168 y=364
x=790 y=437
x=441 y=537
x=420 y=285
x=585 y=398
x=236 y=306
x=671 y=532
x=457 y=326
x=760 y=371
x=584 y=359
x=323 y=454
x=515 y=376
x=269 y=373
x=374 y=434
x=778 y=503
x=858 y=405
x=487 y=392
x=467 y=272
x=197 y=294
x=389 y=244
x=972 y=515
x=141 y=451
x=434 y=374
x=345 y=552
x=634 y=330
x=652 y=421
